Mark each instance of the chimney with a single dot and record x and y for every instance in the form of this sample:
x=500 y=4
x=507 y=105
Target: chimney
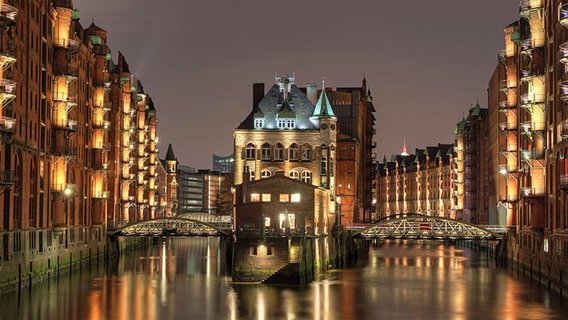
x=257 y=94
x=312 y=93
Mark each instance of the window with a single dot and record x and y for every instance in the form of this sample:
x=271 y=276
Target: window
x=266 y=152
x=323 y=165
x=284 y=197
x=250 y=155
x=267 y=222
x=286 y=123
x=265 y=173
x=294 y=174
x=294 y=152
x=295 y=197
x=251 y=175
x=306 y=152
x=266 y=197
x=306 y=176
x=254 y=197
x=278 y=152
x=258 y=123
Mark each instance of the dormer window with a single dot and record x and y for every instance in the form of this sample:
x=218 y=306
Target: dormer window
x=258 y=123
x=286 y=123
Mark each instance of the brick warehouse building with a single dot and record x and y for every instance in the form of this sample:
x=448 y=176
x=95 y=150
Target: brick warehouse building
x=311 y=137
x=78 y=149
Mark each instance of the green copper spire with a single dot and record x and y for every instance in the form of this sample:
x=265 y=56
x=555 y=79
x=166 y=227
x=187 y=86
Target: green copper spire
x=323 y=107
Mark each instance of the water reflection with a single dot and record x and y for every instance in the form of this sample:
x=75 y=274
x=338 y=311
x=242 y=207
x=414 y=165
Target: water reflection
x=187 y=278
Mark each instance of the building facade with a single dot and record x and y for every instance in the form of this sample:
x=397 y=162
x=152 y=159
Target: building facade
x=423 y=182
x=78 y=149
x=223 y=164
x=471 y=167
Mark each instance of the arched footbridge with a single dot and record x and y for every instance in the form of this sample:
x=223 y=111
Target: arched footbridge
x=420 y=226
x=178 y=226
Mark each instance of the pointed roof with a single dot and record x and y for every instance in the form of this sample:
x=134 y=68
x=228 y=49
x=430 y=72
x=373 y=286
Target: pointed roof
x=170 y=156
x=94 y=28
x=323 y=107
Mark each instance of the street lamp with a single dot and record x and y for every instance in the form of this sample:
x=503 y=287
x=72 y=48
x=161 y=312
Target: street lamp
x=338 y=211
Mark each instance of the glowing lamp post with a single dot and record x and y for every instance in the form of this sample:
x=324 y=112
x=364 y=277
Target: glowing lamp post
x=338 y=211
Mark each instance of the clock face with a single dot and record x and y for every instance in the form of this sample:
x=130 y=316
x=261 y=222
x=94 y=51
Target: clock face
x=332 y=127
x=324 y=126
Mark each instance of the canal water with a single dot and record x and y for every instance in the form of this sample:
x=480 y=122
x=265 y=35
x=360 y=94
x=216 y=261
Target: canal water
x=186 y=278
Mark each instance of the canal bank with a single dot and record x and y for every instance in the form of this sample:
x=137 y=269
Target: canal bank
x=31 y=257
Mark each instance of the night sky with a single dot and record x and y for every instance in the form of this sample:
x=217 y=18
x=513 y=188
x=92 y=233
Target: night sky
x=425 y=61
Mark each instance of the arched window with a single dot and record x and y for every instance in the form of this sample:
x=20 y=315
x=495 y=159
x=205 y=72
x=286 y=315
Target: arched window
x=250 y=155
x=278 y=152
x=306 y=176
x=265 y=173
x=294 y=174
x=323 y=165
x=293 y=152
x=251 y=175
x=266 y=156
x=306 y=152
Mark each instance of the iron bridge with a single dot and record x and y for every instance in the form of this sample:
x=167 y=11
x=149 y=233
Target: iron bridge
x=171 y=227
x=420 y=226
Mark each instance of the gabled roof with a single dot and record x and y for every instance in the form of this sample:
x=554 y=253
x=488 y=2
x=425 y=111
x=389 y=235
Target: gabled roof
x=274 y=102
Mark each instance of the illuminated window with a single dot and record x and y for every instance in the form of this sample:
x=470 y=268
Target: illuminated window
x=254 y=197
x=278 y=152
x=258 y=123
x=267 y=222
x=284 y=197
x=286 y=123
x=294 y=175
x=295 y=197
x=306 y=152
x=306 y=176
x=266 y=152
x=265 y=173
x=266 y=197
x=250 y=153
x=294 y=152
x=251 y=175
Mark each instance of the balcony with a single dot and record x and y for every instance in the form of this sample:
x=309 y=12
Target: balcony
x=563 y=90
x=69 y=72
x=530 y=72
x=527 y=46
x=563 y=53
x=529 y=192
x=8 y=55
x=68 y=44
x=532 y=154
x=529 y=99
x=101 y=195
x=65 y=97
x=7 y=90
x=66 y=188
x=7 y=178
x=564 y=129
x=506 y=169
x=67 y=125
x=526 y=6
x=105 y=125
x=563 y=17
x=64 y=150
x=505 y=126
x=502 y=55
x=529 y=126
x=7 y=15
x=7 y=125
x=504 y=105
